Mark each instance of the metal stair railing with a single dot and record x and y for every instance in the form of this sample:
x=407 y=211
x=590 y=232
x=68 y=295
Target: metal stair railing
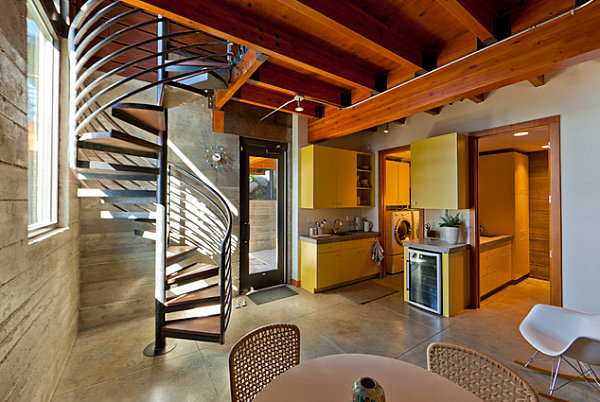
x=103 y=71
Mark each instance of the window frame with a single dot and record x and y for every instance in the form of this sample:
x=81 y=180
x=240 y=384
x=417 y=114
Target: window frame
x=37 y=12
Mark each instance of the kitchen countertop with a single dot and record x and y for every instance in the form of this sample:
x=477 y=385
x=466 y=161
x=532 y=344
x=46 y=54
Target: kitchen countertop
x=332 y=238
x=435 y=245
x=487 y=242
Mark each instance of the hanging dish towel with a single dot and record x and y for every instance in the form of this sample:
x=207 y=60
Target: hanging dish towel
x=377 y=252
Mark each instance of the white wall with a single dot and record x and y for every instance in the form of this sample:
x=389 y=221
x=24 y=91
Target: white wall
x=573 y=94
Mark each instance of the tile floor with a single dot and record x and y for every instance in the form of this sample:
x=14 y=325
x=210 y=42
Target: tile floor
x=107 y=364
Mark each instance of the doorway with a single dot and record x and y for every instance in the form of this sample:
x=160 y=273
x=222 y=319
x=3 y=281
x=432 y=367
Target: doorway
x=516 y=217
x=262 y=214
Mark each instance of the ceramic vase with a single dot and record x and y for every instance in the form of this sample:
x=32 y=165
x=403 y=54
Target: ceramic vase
x=451 y=235
x=366 y=389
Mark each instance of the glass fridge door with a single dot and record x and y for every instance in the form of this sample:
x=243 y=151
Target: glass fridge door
x=424 y=280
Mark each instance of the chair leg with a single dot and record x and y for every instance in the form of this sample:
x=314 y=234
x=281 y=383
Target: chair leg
x=584 y=373
x=531 y=359
x=555 y=375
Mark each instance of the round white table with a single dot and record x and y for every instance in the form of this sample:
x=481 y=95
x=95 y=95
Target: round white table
x=330 y=378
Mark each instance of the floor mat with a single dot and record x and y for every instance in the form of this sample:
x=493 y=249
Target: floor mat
x=364 y=292
x=269 y=295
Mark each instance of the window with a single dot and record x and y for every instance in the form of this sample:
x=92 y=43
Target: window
x=42 y=119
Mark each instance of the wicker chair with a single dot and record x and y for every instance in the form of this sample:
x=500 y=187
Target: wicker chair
x=260 y=356
x=478 y=373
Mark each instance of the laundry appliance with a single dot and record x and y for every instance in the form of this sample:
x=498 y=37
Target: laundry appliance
x=400 y=225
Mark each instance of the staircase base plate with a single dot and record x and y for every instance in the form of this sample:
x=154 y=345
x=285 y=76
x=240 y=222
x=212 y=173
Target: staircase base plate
x=151 y=351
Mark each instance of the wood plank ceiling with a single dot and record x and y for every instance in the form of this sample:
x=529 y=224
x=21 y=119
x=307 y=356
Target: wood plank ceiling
x=342 y=52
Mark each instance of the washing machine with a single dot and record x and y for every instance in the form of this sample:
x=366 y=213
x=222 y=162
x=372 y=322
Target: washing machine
x=400 y=225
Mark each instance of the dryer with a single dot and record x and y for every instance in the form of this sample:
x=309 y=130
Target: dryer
x=400 y=225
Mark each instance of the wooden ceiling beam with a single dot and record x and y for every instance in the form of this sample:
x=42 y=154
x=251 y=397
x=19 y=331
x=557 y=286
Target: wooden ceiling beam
x=474 y=15
x=361 y=27
x=435 y=111
x=400 y=122
x=565 y=41
x=249 y=63
x=276 y=77
x=289 y=43
x=267 y=98
x=537 y=81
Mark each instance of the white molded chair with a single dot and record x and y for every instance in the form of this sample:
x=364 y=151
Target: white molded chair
x=559 y=332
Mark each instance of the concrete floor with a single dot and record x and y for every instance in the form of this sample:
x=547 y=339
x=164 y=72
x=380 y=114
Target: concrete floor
x=263 y=261
x=107 y=364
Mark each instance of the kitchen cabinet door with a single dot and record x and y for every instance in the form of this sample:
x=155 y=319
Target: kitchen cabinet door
x=439 y=172
x=328 y=268
x=346 y=179
x=391 y=183
x=325 y=177
x=403 y=183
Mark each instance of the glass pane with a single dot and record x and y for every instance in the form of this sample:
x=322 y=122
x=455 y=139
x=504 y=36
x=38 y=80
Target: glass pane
x=423 y=280
x=40 y=121
x=263 y=215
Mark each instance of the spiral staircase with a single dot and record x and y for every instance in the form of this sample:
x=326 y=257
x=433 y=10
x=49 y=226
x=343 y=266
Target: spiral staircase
x=117 y=54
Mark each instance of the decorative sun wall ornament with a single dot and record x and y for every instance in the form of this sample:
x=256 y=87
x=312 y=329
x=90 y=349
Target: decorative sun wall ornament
x=216 y=156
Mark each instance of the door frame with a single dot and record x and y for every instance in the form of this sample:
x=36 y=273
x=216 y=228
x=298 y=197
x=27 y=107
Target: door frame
x=553 y=123
x=244 y=244
x=383 y=234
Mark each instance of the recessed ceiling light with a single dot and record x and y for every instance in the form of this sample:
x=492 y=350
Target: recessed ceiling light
x=521 y=133
x=547 y=146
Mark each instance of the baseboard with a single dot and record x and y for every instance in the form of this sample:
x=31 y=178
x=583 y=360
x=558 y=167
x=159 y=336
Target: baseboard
x=296 y=283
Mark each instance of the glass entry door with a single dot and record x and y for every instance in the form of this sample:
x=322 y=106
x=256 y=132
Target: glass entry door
x=262 y=228
x=424 y=280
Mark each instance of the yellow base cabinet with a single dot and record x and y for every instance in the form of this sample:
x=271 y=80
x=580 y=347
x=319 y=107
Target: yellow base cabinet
x=495 y=266
x=455 y=281
x=439 y=172
x=325 y=266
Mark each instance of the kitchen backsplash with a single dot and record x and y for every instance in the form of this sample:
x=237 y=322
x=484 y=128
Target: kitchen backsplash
x=307 y=217
x=434 y=218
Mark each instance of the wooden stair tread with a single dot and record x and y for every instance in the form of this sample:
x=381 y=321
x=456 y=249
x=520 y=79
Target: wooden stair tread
x=147 y=117
x=195 y=272
x=111 y=167
x=177 y=253
x=104 y=193
x=207 y=326
x=209 y=294
x=120 y=139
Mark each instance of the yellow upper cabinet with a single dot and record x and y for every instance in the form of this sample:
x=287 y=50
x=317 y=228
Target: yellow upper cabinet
x=397 y=183
x=439 y=172
x=328 y=177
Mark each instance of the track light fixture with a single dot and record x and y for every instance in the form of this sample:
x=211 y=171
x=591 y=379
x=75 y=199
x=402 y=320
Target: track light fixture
x=386 y=129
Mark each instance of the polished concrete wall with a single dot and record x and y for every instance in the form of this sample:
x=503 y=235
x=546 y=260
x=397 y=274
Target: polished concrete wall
x=39 y=277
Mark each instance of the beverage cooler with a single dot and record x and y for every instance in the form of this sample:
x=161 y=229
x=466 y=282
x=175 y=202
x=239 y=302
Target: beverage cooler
x=424 y=280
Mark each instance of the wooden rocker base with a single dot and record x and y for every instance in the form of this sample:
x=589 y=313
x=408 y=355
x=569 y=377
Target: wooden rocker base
x=550 y=397
x=571 y=377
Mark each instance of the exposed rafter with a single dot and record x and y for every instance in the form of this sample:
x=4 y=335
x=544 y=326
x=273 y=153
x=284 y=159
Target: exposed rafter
x=357 y=24
x=275 y=77
x=435 y=111
x=257 y=31
x=240 y=74
x=477 y=98
x=256 y=95
x=573 y=38
x=474 y=15
x=537 y=81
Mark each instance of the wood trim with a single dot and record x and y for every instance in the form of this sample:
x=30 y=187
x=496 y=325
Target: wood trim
x=553 y=124
x=240 y=74
x=381 y=155
x=556 y=297
x=295 y=283
x=473 y=15
x=218 y=121
x=474 y=296
x=565 y=41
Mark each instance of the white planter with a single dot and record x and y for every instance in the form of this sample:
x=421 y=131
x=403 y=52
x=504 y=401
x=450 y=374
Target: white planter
x=451 y=235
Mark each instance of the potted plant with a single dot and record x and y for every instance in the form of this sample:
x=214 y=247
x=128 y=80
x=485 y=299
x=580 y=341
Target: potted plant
x=451 y=225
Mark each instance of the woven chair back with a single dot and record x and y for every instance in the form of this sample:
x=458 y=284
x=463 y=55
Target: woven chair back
x=260 y=356
x=478 y=373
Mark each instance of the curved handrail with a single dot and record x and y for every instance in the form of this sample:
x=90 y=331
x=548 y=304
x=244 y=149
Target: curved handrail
x=98 y=38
